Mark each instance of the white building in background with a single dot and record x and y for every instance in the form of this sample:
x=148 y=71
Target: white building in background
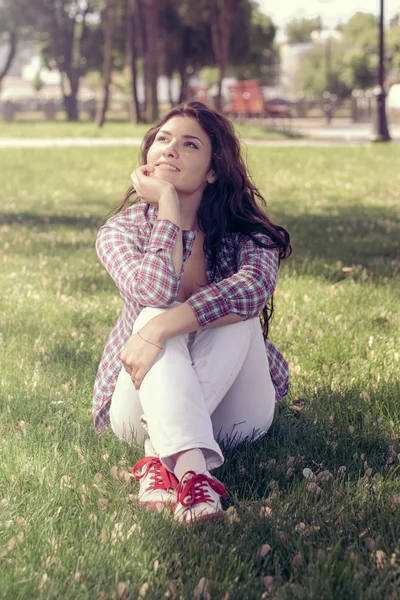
x=291 y=57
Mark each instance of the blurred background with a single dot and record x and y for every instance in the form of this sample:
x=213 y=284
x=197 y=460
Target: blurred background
x=131 y=60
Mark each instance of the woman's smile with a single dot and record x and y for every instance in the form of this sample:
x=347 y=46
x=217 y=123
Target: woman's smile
x=164 y=166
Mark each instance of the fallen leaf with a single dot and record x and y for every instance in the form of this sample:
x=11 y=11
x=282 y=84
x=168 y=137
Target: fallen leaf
x=297 y=560
x=201 y=590
x=98 y=477
x=268 y=581
x=324 y=476
x=78 y=577
x=43 y=581
x=122 y=590
x=143 y=590
x=171 y=591
x=114 y=472
x=341 y=470
x=380 y=558
x=266 y=511
x=156 y=566
x=231 y=515
x=263 y=551
x=309 y=475
x=314 y=488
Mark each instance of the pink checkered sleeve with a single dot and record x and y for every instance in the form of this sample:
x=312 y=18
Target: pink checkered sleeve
x=244 y=293
x=147 y=277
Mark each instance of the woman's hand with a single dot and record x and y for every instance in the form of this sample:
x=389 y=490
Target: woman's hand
x=138 y=356
x=149 y=188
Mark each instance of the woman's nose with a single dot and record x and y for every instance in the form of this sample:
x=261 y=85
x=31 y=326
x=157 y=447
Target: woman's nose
x=170 y=150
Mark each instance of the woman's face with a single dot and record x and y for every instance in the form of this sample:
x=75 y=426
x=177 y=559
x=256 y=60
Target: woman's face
x=181 y=154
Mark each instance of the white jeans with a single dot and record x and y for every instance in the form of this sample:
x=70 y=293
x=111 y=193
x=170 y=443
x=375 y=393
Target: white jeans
x=203 y=388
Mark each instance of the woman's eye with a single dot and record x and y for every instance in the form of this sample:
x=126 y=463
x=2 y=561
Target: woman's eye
x=191 y=144
x=161 y=138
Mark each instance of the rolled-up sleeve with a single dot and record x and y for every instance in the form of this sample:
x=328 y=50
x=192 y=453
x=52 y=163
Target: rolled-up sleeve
x=245 y=292
x=147 y=277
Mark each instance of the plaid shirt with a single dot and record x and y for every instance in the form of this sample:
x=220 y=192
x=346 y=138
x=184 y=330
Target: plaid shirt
x=136 y=250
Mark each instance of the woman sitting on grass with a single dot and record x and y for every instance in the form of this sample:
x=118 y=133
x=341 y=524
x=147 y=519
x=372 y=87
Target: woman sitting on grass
x=188 y=362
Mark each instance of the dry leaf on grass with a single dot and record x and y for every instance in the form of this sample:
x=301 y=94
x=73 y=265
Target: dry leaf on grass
x=143 y=590
x=201 y=590
x=308 y=474
x=264 y=550
x=122 y=590
x=268 y=581
x=297 y=560
x=266 y=511
x=171 y=591
x=231 y=515
x=380 y=559
x=43 y=581
x=313 y=488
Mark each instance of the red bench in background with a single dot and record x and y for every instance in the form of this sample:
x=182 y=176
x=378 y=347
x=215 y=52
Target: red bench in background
x=247 y=100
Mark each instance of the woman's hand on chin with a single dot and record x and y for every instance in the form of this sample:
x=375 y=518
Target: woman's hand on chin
x=152 y=189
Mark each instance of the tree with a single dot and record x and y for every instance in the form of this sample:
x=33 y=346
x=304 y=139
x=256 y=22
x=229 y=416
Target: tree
x=298 y=31
x=14 y=25
x=186 y=41
x=253 y=52
x=222 y=15
x=109 y=19
x=69 y=36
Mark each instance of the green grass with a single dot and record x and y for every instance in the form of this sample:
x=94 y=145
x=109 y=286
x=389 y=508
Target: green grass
x=21 y=128
x=68 y=529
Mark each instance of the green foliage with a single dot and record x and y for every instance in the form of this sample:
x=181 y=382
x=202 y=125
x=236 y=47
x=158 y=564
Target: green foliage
x=298 y=31
x=354 y=59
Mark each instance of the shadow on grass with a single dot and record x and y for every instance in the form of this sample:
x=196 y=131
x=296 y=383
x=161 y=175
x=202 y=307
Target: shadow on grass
x=361 y=239
x=47 y=221
x=318 y=438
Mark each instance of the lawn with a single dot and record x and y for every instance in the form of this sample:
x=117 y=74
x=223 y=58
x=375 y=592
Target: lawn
x=22 y=128
x=69 y=524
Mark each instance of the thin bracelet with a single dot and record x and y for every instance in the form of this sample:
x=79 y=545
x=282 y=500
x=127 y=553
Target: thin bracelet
x=142 y=338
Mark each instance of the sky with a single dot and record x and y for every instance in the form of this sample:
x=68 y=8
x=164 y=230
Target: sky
x=331 y=11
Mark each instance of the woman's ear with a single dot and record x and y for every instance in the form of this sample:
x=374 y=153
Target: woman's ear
x=211 y=177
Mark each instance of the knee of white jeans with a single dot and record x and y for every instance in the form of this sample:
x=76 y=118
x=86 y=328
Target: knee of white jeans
x=145 y=315
x=125 y=432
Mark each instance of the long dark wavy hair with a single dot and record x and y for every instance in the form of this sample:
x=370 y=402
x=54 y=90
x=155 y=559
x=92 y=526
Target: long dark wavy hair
x=232 y=203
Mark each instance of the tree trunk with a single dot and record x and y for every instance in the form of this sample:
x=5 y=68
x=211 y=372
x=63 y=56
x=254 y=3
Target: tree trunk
x=71 y=98
x=10 y=57
x=151 y=62
x=132 y=31
x=222 y=15
x=184 y=81
x=109 y=28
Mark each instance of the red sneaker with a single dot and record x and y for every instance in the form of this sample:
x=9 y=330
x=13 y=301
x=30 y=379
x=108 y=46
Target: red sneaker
x=199 y=498
x=157 y=485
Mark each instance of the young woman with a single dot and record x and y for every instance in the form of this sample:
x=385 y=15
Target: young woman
x=189 y=365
